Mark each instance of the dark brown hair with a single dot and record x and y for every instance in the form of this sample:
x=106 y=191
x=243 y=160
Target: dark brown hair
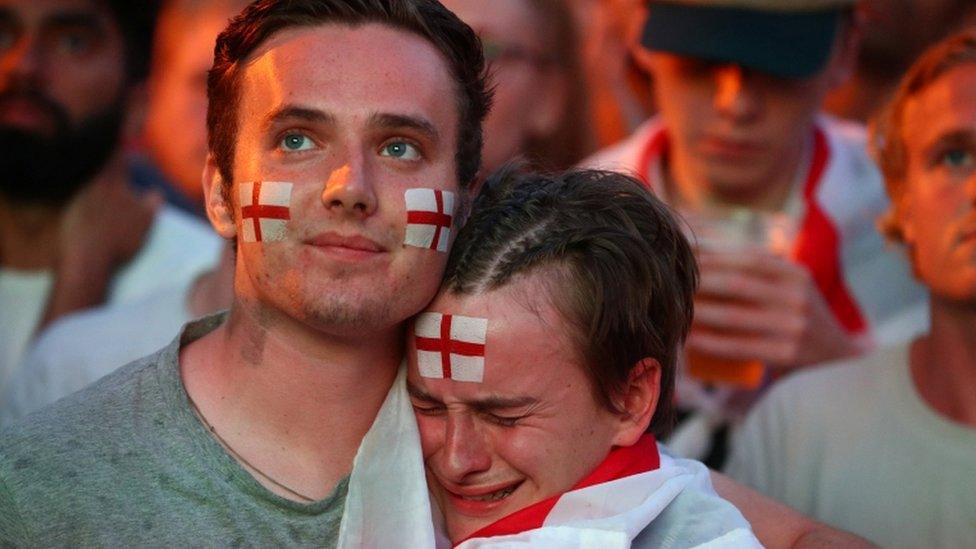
x=427 y=18
x=887 y=132
x=622 y=271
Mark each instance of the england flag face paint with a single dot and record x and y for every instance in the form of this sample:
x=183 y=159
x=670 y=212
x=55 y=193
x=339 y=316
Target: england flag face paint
x=430 y=214
x=265 y=210
x=451 y=346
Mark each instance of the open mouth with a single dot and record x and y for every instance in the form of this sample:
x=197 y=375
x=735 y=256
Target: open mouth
x=497 y=495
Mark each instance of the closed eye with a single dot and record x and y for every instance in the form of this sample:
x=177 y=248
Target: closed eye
x=503 y=421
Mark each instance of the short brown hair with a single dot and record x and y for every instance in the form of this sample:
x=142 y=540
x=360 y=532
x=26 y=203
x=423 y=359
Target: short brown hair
x=427 y=18
x=624 y=274
x=887 y=135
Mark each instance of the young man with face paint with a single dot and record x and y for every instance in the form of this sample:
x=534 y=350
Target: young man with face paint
x=342 y=136
x=739 y=142
x=544 y=368
x=884 y=445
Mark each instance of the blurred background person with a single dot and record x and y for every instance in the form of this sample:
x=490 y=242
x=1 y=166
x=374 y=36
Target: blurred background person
x=893 y=34
x=80 y=348
x=620 y=99
x=884 y=445
x=782 y=200
x=175 y=136
x=72 y=232
x=539 y=111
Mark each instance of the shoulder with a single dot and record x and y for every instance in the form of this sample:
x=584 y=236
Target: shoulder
x=817 y=401
x=83 y=347
x=697 y=515
x=851 y=166
x=82 y=418
x=178 y=248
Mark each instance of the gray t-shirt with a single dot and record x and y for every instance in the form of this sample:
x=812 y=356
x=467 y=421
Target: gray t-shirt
x=126 y=463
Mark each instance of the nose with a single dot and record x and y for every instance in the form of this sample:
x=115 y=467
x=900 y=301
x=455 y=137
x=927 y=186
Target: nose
x=734 y=97
x=465 y=450
x=22 y=60
x=349 y=190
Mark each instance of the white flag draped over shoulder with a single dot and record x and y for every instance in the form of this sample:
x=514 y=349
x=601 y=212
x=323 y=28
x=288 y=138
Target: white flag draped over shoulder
x=387 y=503
x=627 y=502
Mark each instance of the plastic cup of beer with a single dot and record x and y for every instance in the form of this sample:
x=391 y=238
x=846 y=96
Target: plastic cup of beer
x=734 y=230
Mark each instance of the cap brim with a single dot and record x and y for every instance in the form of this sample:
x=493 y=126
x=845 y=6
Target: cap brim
x=786 y=44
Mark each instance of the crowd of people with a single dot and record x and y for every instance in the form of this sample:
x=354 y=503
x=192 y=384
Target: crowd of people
x=409 y=273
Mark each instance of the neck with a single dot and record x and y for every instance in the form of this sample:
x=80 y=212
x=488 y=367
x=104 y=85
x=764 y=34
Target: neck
x=28 y=236
x=689 y=186
x=942 y=362
x=293 y=401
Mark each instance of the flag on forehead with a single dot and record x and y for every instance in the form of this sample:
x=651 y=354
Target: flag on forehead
x=430 y=213
x=451 y=346
x=264 y=210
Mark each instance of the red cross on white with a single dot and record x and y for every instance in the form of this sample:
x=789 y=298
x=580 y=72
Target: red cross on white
x=430 y=213
x=264 y=210
x=451 y=346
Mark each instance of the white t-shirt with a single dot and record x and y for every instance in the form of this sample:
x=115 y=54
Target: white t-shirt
x=22 y=299
x=177 y=249
x=80 y=348
x=855 y=446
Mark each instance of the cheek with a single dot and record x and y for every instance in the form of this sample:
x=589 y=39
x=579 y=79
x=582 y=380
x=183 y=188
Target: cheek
x=431 y=434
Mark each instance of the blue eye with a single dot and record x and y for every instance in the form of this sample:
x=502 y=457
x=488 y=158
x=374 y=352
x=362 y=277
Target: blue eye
x=400 y=150
x=296 y=142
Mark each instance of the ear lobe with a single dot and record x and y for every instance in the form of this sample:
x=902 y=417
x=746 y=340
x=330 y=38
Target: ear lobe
x=219 y=210
x=639 y=401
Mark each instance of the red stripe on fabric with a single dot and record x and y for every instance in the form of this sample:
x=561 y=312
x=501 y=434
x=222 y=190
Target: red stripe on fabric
x=818 y=246
x=619 y=463
x=656 y=147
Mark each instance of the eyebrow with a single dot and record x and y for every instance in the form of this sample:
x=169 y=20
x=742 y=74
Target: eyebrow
x=958 y=137
x=292 y=112
x=482 y=404
x=75 y=19
x=401 y=121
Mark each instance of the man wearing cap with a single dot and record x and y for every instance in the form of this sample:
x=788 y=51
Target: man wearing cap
x=740 y=145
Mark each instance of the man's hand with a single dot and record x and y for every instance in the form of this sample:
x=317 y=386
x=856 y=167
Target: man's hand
x=755 y=305
x=103 y=227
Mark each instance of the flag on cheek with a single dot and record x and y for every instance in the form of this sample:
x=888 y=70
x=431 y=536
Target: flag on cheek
x=430 y=213
x=451 y=346
x=265 y=210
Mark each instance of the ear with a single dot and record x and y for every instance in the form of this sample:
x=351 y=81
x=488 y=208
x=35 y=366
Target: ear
x=638 y=401
x=219 y=210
